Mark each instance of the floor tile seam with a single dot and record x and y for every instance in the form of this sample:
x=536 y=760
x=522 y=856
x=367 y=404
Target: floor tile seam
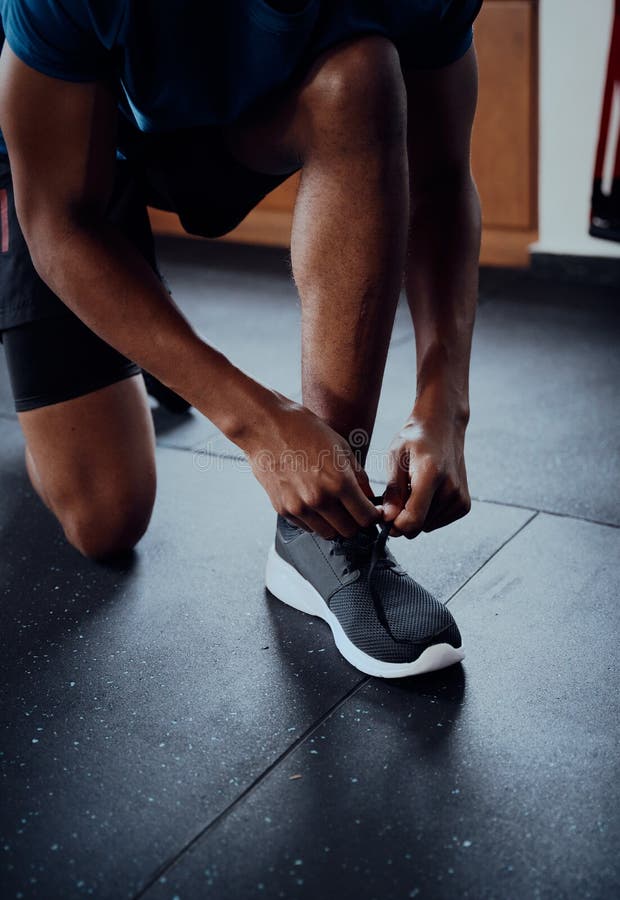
x=574 y=518
x=234 y=457
x=546 y=512
x=504 y=543
x=169 y=864
x=534 y=509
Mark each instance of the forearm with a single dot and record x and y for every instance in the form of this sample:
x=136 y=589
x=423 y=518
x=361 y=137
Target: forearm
x=441 y=282
x=104 y=280
x=61 y=140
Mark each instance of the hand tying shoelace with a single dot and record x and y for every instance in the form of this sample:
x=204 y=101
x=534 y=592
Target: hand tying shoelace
x=357 y=593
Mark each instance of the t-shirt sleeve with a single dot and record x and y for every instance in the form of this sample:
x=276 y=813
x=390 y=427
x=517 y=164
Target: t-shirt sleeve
x=55 y=37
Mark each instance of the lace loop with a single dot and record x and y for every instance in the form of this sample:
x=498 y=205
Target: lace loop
x=369 y=547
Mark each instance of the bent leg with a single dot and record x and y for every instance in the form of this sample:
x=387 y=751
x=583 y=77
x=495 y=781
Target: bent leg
x=346 y=123
x=90 y=449
x=92 y=462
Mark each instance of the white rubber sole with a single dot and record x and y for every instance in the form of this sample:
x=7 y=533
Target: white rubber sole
x=291 y=588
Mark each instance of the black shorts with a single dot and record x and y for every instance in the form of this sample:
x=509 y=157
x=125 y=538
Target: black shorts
x=51 y=355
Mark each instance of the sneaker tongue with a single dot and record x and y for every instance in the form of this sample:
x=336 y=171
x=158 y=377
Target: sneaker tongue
x=369 y=542
x=362 y=542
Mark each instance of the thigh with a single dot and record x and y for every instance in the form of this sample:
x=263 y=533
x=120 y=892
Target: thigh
x=85 y=416
x=441 y=103
x=440 y=79
x=339 y=95
x=94 y=456
x=57 y=359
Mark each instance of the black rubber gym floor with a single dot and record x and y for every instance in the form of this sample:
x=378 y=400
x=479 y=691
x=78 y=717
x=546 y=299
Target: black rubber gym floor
x=171 y=731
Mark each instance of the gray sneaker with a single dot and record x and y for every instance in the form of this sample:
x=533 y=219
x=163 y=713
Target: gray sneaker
x=383 y=622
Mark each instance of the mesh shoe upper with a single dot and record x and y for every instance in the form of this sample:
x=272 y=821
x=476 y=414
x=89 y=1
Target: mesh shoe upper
x=415 y=618
x=381 y=609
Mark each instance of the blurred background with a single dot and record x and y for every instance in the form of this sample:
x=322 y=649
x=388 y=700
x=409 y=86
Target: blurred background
x=542 y=78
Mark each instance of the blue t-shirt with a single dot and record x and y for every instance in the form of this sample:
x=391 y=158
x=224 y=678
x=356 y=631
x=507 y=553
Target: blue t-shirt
x=184 y=63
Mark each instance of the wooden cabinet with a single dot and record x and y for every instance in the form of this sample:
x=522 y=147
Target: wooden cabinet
x=504 y=144
x=504 y=149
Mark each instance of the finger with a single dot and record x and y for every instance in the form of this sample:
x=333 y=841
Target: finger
x=293 y=520
x=340 y=519
x=443 y=501
x=335 y=512
x=450 y=513
x=423 y=486
x=396 y=493
x=315 y=521
x=357 y=504
x=362 y=480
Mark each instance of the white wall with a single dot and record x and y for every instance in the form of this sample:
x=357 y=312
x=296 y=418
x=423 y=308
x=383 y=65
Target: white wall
x=574 y=45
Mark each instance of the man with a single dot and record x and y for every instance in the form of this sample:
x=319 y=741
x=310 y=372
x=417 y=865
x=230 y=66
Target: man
x=204 y=108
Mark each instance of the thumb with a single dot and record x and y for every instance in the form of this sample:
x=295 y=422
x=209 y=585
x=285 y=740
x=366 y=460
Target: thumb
x=364 y=483
x=396 y=492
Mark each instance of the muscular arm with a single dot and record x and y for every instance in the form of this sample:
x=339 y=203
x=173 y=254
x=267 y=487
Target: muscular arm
x=441 y=281
x=61 y=141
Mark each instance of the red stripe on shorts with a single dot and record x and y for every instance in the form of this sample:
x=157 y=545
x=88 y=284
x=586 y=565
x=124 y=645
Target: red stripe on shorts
x=4 y=221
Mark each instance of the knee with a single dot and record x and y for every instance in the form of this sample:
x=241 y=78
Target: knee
x=358 y=88
x=100 y=528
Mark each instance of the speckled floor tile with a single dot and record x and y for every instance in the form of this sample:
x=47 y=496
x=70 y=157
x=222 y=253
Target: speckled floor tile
x=6 y=397
x=140 y=700
x=497 y=780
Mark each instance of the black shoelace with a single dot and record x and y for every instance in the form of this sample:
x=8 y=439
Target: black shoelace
x=369 y=547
